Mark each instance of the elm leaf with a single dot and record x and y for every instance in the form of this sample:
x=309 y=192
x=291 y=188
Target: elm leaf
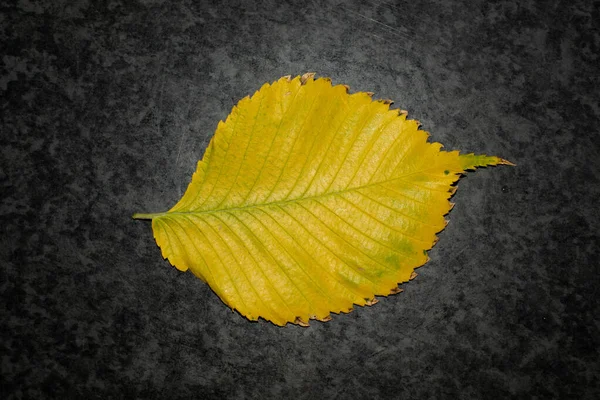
x=309 y=200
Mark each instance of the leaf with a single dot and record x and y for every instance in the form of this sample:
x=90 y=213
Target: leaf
x=309 y=200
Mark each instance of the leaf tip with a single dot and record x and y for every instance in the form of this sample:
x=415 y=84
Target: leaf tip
x=471 y=161
x=506 y=162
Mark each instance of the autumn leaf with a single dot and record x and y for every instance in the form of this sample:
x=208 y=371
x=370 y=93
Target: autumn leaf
x=309 y=200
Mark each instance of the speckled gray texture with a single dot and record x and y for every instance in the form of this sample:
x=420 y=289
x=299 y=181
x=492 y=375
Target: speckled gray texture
x=107 y=106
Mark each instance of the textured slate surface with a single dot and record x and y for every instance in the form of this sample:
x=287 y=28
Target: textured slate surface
x=106 y=106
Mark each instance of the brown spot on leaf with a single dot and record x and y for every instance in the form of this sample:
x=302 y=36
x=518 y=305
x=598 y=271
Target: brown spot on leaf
x=306 y=77
x=301 y=322
x=371 y=302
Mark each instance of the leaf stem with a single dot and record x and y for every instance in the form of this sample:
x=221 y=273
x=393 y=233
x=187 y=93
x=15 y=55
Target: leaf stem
x=147 y=216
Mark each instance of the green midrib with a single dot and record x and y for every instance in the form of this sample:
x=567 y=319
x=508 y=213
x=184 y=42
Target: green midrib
x=274 y=203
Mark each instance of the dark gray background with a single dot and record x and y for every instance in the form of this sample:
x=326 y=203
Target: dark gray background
x=107 y=106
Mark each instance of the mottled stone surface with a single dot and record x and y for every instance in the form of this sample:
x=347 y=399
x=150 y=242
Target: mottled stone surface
x=106 y=106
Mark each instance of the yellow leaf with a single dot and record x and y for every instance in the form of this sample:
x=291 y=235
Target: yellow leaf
x=309 y=200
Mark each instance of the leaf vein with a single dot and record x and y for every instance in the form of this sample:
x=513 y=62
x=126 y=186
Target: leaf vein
x=362 y=232
x=395 y=210
x=290 y=152
x=237 y=174
x=237 y=290
x=326 y=247
x=381 y=222
x=305 y=162
x=344 y=239
x=193 y=244
x=258 y=267
x=326 y=151
x=364 y=153
x=306 y=252
x=308 y=301
x=262 y=168
x=233 y=134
